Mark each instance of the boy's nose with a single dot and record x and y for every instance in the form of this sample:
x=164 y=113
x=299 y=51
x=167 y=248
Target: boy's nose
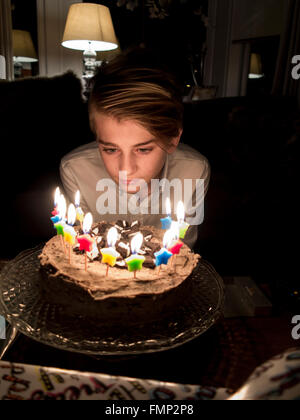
x=127 y=164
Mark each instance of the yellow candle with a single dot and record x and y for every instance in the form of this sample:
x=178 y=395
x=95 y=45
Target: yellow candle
x=109 y=256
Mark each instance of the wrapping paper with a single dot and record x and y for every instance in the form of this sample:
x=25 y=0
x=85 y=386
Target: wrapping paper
x=277 y=379
x=27 y=382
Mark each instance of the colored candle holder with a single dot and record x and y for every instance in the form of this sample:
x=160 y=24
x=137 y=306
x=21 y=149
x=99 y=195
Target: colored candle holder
x=135 y=262
x=70 y=238
x=70 y=235
x=183 y=227
x=162 y=257
x=55 y=219
x=60 y=232
x=166 y=223
x=109 y=256
x=85 y=243
x=59 y=226
x=175 y=247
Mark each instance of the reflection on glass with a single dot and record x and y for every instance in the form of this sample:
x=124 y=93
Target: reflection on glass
x=24 y=52
x=25 y=42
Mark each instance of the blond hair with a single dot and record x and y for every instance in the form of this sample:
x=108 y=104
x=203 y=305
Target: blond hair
x=130 y=87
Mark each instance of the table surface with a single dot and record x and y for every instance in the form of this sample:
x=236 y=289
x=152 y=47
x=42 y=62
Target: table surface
x=224 y=356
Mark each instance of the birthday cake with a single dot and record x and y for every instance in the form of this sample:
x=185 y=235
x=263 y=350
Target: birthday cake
x=114 y=295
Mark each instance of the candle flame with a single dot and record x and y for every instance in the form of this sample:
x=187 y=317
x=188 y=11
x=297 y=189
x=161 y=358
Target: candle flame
x=71 y=215
x=112 y=236
x=77 y=199
x=168 y=238
x=180 y=212
x=56 y=196
x=136 y=243
x=62 y=207
x=168 y=206
x=87 y=223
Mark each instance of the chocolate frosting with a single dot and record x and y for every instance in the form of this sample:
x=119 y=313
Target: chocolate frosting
x=120 y=281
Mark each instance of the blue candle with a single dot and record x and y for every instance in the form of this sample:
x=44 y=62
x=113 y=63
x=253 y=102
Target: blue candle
x=55 y=219
x=167 y=221
x=163 y=256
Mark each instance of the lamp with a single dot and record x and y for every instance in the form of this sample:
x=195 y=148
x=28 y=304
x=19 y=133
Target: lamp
x=255 y=67
x=89 y=28
x=23 y=48
x=23 y=51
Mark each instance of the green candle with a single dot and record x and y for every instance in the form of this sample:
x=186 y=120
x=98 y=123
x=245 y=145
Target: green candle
x=60 y=232
x=135 y=261
x=59 y=228
x=183 y=227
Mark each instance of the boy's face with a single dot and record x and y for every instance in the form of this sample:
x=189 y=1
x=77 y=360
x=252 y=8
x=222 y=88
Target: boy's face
x=127 y=146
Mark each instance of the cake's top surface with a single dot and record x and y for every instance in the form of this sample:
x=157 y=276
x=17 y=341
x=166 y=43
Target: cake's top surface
x=119 y=282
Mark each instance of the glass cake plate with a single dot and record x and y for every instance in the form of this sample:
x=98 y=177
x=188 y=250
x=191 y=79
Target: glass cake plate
x=24 y=306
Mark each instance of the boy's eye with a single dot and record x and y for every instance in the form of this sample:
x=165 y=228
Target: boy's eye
x=145 y=151
x=110 y=151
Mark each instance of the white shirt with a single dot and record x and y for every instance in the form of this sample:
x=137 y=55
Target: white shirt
x=83 y=169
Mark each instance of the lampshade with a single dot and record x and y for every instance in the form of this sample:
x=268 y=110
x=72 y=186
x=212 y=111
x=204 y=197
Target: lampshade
x=23 y=48
x=255 y=66
x=89 y=26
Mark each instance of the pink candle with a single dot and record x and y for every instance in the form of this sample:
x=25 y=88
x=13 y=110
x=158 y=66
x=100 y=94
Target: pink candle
x=85 y=241
x=56 y=200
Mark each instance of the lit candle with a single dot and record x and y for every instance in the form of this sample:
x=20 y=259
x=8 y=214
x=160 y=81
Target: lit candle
x=55 y=213
x=175 y=245
x=61 y=223
x=79 y=212
x=183 y=226
x=163 y=256
x=166 y=222
x=110 y=255
x=69 y=232
x=85 y=241
x=56 y=199
x=135 y=261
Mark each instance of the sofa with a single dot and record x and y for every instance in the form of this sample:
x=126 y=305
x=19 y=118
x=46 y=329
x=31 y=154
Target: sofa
x=252 y=145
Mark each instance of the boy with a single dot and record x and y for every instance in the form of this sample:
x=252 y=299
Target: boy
x=136 y=114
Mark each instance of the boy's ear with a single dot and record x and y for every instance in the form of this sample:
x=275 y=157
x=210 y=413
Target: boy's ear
x=174 y=143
